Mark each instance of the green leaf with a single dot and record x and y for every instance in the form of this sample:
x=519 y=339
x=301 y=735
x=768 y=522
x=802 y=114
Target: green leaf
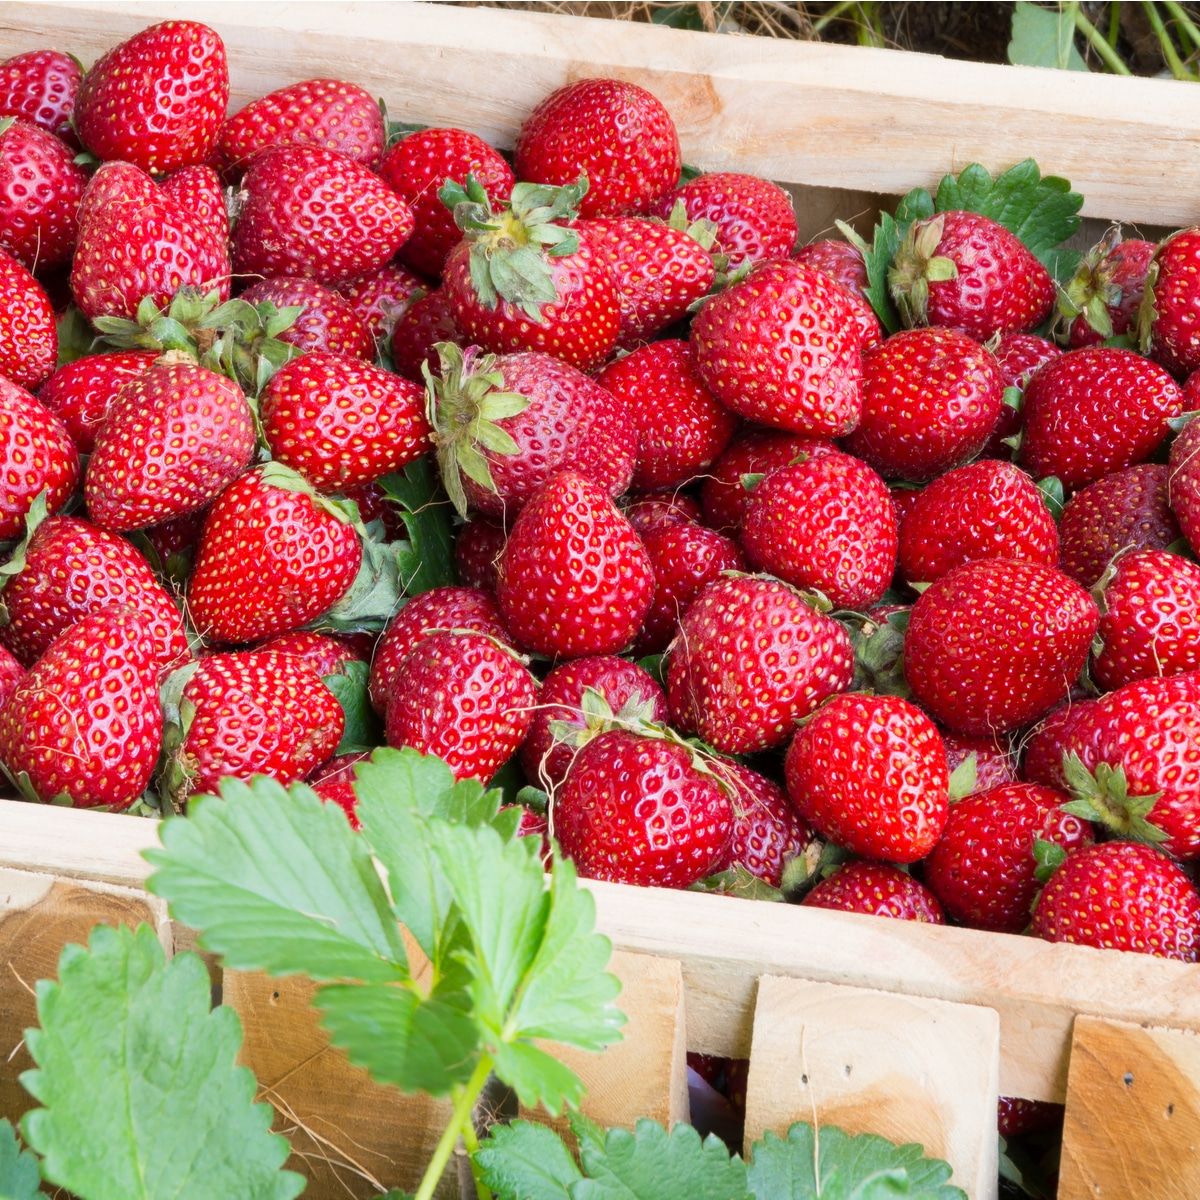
x=1049 y=856
x=1044 y=37
x=19 y=1174
x=1051 y=490
x=527 y=1160
x=374 y=597
x=737 y=881
x=75 y=336
x=138 y=1080
x=349 y=684
x=428 y=560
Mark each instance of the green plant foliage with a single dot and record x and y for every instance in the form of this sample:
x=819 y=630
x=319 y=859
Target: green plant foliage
x=428 y=559
x=19 y=1174
x=349 y=684
x=1044 y=37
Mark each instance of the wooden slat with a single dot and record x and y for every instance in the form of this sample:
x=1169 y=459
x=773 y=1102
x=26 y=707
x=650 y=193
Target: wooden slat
x=822 y=115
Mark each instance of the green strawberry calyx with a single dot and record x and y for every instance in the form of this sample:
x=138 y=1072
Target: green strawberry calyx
x=878 y=643
x=596 y=716
x=917 y=264
x=1102 y=795
x=702 y=231
x=1091 y=292
x=38 y=511
x=175 y=768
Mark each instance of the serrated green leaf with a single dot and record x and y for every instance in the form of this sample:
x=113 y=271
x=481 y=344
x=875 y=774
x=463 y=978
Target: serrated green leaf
x=527 y=1160
x=138 y=1080
x=428 y=559
x=362 y=730
x=19 y=1173
x=536 y=1076
x=1044 y=37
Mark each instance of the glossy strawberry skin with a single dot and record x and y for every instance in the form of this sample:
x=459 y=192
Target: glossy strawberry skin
x=767 y=831
x=1174 y=333
x=839 y=260
x=327 y=654
x=1124 y=268
x=477 y=551
x=158 y=99
x=334 y=783
x=41 y=86
x=1067 y=728
x=996 y=643
x=28 y=334
x=1183 y=482
x=1094 y=411
x=80 y=393
x=326 y=322
x=995 y=764
x=750 y=661
x=645 y=512
x=876 y=890
x=381 y=297
x=198 y=190
x=11 y=673
x=36 y=454
x=617 y=132
x=635 y=810
x=40 y=190
x=427 y=321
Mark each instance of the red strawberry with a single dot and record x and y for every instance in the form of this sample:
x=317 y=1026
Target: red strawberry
x=310 y=211
x=1016 y=1117
x=994 y=762
x=1168 y=321
x=41 y=86
x=1065 y=728
x=617 y=132
x=341 y=422
x=174 y=545
x=326 y=653
x=965 y=272
x=983 y=869
x=984 y=510
x=40 y=190
x=173 y=438
x=575 y=579
x=380 y=298
x=1127 y=510
x=157 y=100
x=326 y=320
x=428 y=320
x=85 y=722
x=465 y=698
x=826 y=524
x=1105 y=293
x=640 y=810
x=334 y=783
x=767 y=831
x=753 y=216
x=417 y=166
x=198 y=191
x=1183 y=482
x=28 y=334
x=477 y=551
x=11 y=673
x=1018 y=355
x=752 y=659
x=1121 y=896
x=931 y=398
x=994 y=644
x=839 y=260
x=680 y=426
x=876 y=890
x=273 y=556
x=80 y=393
x=36 y=454
x=649 y=512
x=1094 y=411
x=318 y=112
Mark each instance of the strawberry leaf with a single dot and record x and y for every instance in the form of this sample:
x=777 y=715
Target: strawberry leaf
x=1044 y=37
x=737 y=881
x=362 y=729
x=527 y=1160
x=19 y=1174
x=427 y=561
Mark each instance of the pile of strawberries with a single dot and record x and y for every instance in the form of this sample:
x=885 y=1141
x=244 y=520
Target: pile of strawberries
x=747 y=592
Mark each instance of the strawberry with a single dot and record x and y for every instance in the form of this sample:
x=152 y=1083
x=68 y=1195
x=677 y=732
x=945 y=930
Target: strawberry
x=438 y=610
x=649 y=512
x=1127 y=510
x=326 y=653
x=826 y=524
x=983 y=868
x=465 y=698
x=171 y=547
x=314 y=212
x=930 y=400
x=767 y=831
x=1057 y=733
x=966 y=272
x=1104 y=295
x=567 y=718
x=84 y=725
x=503 y=426
x=781 y=347
x=681 y=428
x=641 y=810
x=521 y=280
x=993 y=644
x=80 y=393
x=1016 y=1117
x=1167 y=322
x=876 y=890
x=984 y=510
x=198 y=190
x=575 y=579
x=417 y=166
x=158 y=99
x=428 y=320
x=752 y=659
x=841 y=261
x=1121 y=896
x=36 y=455
x=41 y=86
x=173 y=438
x=334 y=783
x=327 y=113
x=28 y=334
x=273 y=556
x=341 y=422
x=11 y=673
x=1183 y=482
x=40 y=190
x=1018 y=355
x=326 y=320
x=994 y=762
x=381 y=297
x=753 y=216
x=1093 y=411
x=616 y=132
x=477 y=551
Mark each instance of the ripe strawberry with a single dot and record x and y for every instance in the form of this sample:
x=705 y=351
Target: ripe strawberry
x=575 y=579
x=876 y=890
x=380 y=298
x=427 y=321
x=334 y=783
x=198 y=190
x=752 y=659
x=85 y=723
x=782 y=347
x=1016 y=1117
x=617 y=132
x=36 y=455
x=680 y=426
x=1167 y=323
x=80 y=393
x=28 y=334
x=503 y=426
x=993 y=644
x=173 y=438
x=11 y=673
x=417 y=166
x=477 y=551
x=326 y=321
x=1094 y=411
x=839 y=260
x=314 y=212
x=1127 y=510
x=753 y=216
x=995 y=765
x=1018 y=355
x=826 y=524
x=1105 y=293
x=983 y=869
x=1064 y=729
x=273 y=556
x=1183 y=482
x=40 y=190
x=341 y=422
x=326 y=653
x=1121 y=896
x=984 y=510
x=930 y=400
x=965 y=272
x=171 y=547
x=640 y=810
x=767 y=831
x=465 y=698
x=649 y=512
x=158 y=99
x=41 y=86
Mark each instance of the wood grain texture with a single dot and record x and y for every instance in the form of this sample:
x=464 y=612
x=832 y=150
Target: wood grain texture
x=909 y=1069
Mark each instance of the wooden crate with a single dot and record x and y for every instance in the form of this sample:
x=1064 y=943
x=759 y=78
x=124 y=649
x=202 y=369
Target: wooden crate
x=906 y=1029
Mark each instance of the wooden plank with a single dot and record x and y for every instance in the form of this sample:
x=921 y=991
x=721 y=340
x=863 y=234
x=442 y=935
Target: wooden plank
x=821 y=115
x=1132 y=1129
x=908 y=1069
